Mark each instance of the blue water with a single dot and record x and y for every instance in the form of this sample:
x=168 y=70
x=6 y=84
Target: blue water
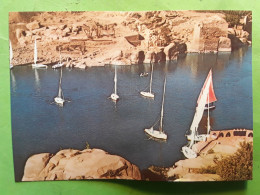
x=39 y=125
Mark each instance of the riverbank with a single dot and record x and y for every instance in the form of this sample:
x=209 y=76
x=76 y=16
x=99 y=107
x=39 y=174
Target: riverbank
x=97 y=164
x=121 y=38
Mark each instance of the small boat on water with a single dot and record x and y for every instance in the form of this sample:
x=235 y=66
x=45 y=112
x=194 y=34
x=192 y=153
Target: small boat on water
x=149 y=94
x=194 y=136
x=114 y=95
x=11 y=55
x=60 y=98
x=59 y=65
x=144 y=74
x=35 y=65
x=158 y=134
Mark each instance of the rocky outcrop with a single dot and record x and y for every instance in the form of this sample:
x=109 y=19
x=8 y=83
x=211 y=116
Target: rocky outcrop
x=74 y=164
x=90 y=39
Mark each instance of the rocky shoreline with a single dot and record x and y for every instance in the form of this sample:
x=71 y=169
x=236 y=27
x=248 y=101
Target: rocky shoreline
x=72 y=164
x=121 y=38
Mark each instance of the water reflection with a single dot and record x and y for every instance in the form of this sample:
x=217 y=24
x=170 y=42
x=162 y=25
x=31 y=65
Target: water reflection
x=119 y=128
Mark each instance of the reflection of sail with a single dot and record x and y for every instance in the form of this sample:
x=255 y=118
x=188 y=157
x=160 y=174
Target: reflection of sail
x=37 y=79
x=13 y=81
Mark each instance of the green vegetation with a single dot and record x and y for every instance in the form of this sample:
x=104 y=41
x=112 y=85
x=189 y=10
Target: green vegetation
x=87 y=145
x=235 y=167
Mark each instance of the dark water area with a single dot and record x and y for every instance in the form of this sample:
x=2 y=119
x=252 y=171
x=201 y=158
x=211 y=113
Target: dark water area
x=39 y=125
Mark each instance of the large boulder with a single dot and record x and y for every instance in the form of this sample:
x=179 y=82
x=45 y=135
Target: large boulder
x=33 y=25
x=74 y=164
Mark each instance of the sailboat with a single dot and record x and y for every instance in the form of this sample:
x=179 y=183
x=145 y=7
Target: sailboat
x=11 y=55
x=35 y=65
x=114 y=95
x=149 y=94
x=59 y=65
x=158 y=134
x=212 y=97
x=194 y=136
x=60 y=98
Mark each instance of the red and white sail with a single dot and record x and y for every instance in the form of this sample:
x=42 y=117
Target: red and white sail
x=212 y=97
x=202 y=100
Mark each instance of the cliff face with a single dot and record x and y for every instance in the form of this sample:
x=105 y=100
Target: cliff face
x=121 y=38
x=74 y=164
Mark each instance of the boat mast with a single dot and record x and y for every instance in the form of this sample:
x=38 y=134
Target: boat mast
x=151 y=79
x=35 y=52
x=60 y=56
x=208 y=125
x=115 y=80
x=60 y=90
x=161 y=121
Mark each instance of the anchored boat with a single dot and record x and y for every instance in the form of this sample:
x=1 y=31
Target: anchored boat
x=149 y=94
x=158 y=134
x=35 y=65
x=114 y=95
x=60 y=98
x=59 y=65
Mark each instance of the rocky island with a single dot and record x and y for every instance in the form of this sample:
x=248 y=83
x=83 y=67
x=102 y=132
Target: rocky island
x=124 y=38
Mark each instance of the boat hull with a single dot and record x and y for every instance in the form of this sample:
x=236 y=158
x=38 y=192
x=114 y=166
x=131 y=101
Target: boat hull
x=57 y=65
x=39 y=66
x=188 y=152
x=147 y=94
x=144 y=74
x=197 y=138
x=59 y=101
x=114 y=97
x=156 y=134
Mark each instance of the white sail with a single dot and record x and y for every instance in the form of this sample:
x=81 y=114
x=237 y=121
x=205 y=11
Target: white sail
x=151 y=80
x=115 y=80
x=11 y=53
x=200 y=108
x=35 y=52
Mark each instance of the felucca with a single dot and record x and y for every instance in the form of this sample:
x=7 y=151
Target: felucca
x=60 y=98
x=158 y=134
x=114 y=95
x=149 y=94
x=35 y=65
x=194 y=136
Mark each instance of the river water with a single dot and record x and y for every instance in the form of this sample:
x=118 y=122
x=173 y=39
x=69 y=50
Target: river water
x=39 y=125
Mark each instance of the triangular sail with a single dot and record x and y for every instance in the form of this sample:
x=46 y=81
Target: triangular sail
x=115 y=80
x=35 y=52
x=161 y=121
x=212 y=96
x=201 y=105
x=11 y=52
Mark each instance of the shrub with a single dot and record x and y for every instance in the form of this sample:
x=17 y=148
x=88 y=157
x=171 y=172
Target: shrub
x=235 y=167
